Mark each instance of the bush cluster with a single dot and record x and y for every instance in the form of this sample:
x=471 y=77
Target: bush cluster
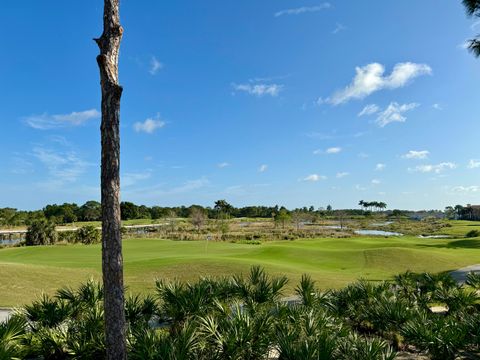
x=245 y=318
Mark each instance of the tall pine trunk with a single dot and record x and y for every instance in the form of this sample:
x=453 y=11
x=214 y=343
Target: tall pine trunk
x=112 y=259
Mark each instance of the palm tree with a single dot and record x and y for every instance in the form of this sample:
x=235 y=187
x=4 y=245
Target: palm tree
x=473 y=9
x=41 y=232
x=112 y=259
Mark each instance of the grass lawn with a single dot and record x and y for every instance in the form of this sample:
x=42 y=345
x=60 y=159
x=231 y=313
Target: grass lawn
x=26 y=272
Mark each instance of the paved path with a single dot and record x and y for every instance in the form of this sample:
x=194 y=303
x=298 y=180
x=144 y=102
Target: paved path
x=4 y=314
x=460 y=275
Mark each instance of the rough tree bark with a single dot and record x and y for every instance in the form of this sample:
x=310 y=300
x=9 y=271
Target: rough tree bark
x=112 y=259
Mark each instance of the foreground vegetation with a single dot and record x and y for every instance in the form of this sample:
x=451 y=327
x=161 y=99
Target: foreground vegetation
x=240 y=317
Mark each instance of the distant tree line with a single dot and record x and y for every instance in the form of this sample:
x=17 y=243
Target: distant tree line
x=459 y=212
x=68 y=213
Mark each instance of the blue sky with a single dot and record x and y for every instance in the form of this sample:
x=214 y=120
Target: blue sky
x=258 y=102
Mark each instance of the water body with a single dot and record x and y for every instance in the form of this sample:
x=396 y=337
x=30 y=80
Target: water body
x=10 y=242
x=382 y=223
x=434 y=236
x=377 y=233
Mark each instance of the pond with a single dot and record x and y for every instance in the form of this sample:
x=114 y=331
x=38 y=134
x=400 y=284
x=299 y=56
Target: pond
x=382 y=223
x=10 y=242
x=377 y=233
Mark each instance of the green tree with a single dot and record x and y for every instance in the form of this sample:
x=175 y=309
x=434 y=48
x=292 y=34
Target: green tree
x=129 y=210
x=282 y=217
x=88 y=235
x=91 y=211
x=41 y=232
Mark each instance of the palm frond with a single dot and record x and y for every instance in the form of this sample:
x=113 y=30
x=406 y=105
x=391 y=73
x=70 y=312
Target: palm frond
x=472 y=7
x=474 y=46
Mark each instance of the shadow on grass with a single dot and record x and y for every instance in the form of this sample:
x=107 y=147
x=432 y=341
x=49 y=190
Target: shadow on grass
x=457 y=244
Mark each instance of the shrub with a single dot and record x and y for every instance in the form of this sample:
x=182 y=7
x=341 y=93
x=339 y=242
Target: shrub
x=88 y=235
x=472 y=234
x=41 y=232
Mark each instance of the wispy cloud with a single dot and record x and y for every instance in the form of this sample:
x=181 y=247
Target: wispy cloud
x=371 y=78
x=394 y=113
x=149 y=125
x=21 y=166
x=333 y=150
x=63 y=167
x=465 y=189
x=263 y=168
x=416 y=154
x=437 y=107
x=437 y=169
x=342 y=174
x=47 y=122
x=380 y=167
x=259 y=90
x=329 y=151
x=338 y=28
x=376 y=182
x=223 y=165
x=129 y=178
x=303 y=9
x=369 y=110
x=314 y=178
x=473 y=164
x=155 y=66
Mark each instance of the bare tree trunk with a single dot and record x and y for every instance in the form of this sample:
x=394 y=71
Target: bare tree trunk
x=112 y=259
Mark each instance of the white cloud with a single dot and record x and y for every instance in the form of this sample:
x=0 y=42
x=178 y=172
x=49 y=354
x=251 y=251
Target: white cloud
x=369 y=110
x=314 y=178
x=263 y=168
x=414 y=154
x=437 y=107
x=376 y=182
x=380 y=167
x=46 y=121
x=437 y=169
x=466 y=189
x=223 y=165
x=358 y=187
x=129 y=179
x=63 y=167
x=303 y=9
x=259 y=90
x=155 y=66
x=333 y=150
x=473 y=164
x=149 y=125
x=342 y=174
x=394 y=113
x=370 y=79
x=338 y=28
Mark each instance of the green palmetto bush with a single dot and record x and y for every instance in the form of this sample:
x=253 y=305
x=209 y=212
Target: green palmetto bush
x=88 y=234
x=473 y=280
x=41 y=232
x=356 y=347
x=310 y=334
x=11 y=336
x=258 y=287
x=441 y=337
x=244 y=317
x=233 y=332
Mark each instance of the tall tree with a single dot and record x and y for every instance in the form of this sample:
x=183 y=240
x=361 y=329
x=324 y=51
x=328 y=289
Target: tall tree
x=473 y=9
x=112 y=259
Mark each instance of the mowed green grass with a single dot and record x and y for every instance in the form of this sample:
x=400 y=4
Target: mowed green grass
x=28 y=271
